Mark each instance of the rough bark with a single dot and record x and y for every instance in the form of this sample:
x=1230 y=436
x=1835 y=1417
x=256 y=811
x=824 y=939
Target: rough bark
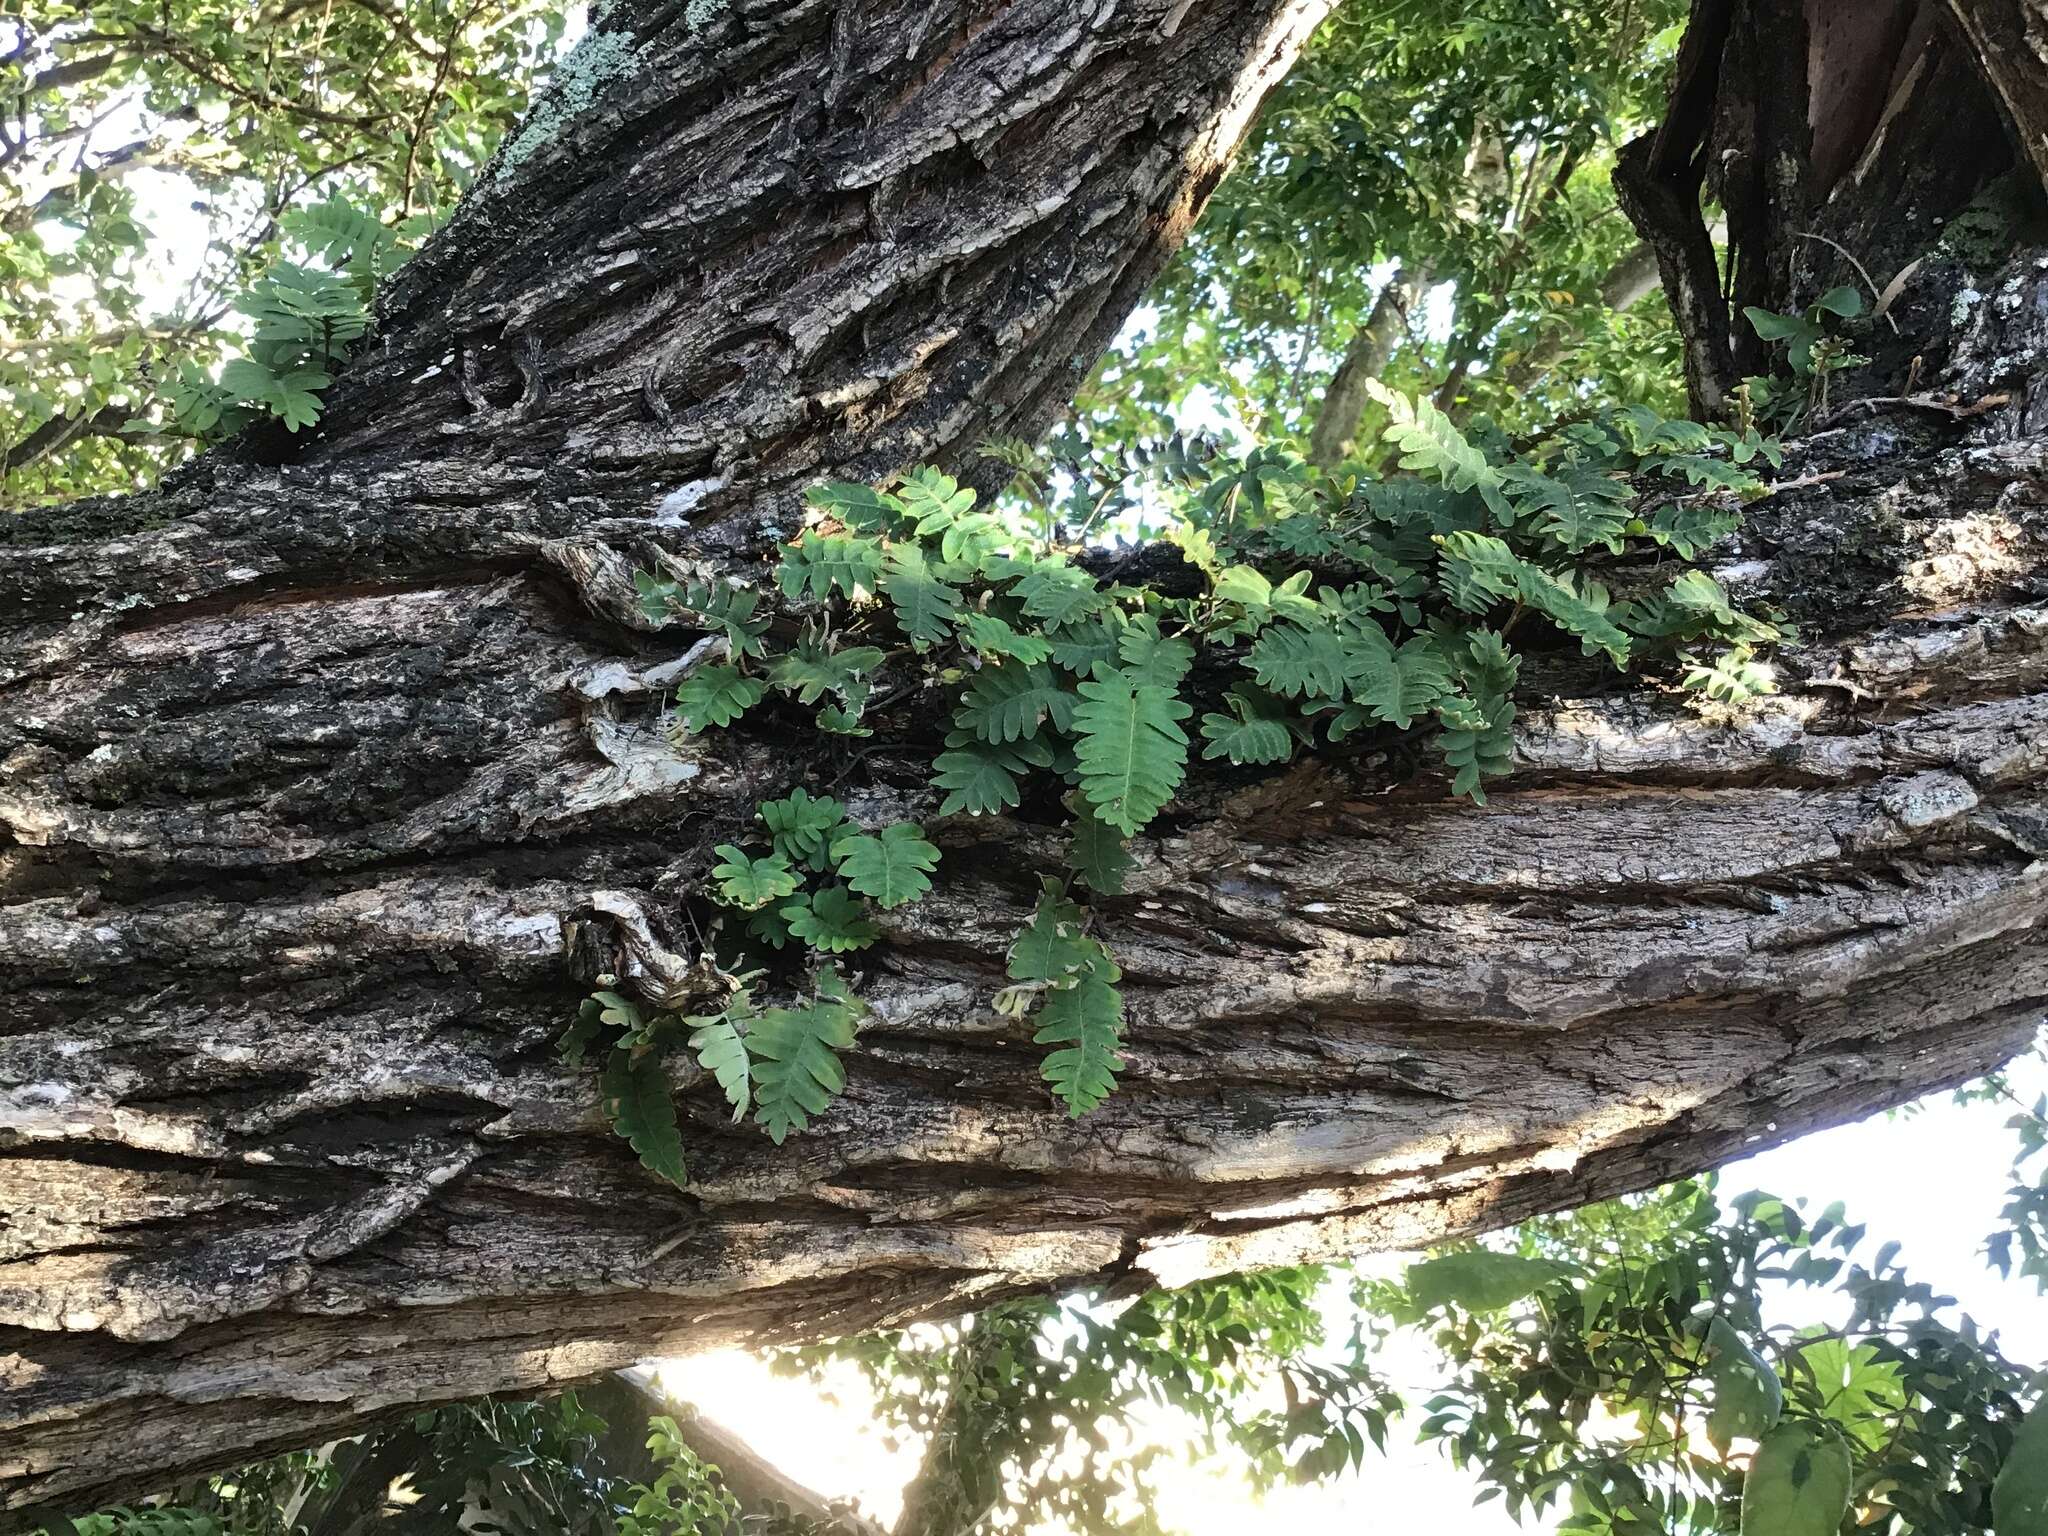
x=328 y=784
x=1839 y=138
x=2009 y=40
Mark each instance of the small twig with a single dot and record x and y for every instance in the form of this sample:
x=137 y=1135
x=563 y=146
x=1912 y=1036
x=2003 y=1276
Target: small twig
x=1860 y=272
x=1947 y=405
x=1792 y=485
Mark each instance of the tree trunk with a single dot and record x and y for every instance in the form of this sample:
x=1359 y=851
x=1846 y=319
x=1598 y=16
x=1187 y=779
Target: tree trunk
x=331 y=777
x=1840 y=138
x=1335 y=433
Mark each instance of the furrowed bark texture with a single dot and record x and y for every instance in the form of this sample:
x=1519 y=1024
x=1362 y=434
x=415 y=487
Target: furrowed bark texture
x=330 y=784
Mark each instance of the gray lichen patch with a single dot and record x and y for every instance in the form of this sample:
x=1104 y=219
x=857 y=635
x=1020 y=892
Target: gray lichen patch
x=585 y=71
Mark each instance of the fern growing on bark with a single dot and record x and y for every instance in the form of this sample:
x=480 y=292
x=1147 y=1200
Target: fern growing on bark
x=1318 y=612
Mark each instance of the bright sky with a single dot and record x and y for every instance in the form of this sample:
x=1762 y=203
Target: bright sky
x=1934 y=1181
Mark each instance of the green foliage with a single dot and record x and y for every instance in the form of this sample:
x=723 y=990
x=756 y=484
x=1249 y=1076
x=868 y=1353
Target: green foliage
x=1477 y=1279
x=829 y=919
x=1798 y=1483
x=795 y=1054
x=892 y=867
x=686 y=1499
x=1255 y=731
x=803 y=827
x=1468 y=150
x=719 y=606
x=300 y=148
x=1814 y=349
x=1081 y=1010
x=1131 y=750
x=716 y=696
x=637 y=1102
x=748 y=882
x=1323 y=609
x=2019 y=1498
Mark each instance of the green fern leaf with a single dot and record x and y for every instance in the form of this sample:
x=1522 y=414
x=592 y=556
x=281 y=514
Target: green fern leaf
x=810 y=671
x=925 y=606
x=935 y=501
x=1688 y=529
x=637 y=1103
x=1057 y=593
x=1085 y=644
x=830 y=919
x=1097 y=854
x=1577 y=508
x=1086 y=1022
x=795 y=1051
x=1429 y=440
x=1052 y=948
x=1253 y=732
x=722 y=1051
x=1150 y=657
x=1476 y=738
x=1300 y=663
x=1482 y=562
x=748 y=883
x=770 y=927
x=821 y=563
x=1699 y=469
x=716 y=696
x=1010 y=702
x=861 y=508
x=891 y=867
x=996 y=639
x=802 y=827
x=343 y=235
x=1131 y=750
x=1395 y=685
x=981 y=778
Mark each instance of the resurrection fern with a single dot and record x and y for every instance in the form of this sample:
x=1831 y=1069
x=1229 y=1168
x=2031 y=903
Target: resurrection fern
x=1081 y=1012
x=1129 y=746
x=637 y=1100
x=1307 y=613
x=795 y=1054
x=893 y=867
x=716 y=696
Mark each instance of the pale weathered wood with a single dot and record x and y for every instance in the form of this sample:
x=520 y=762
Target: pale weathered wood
x=327 y=785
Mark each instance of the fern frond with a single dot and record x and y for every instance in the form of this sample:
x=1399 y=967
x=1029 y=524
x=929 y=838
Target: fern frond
x=981 y=778
x=1011 y=701
x=924 y=605
x=749 y=883
x=795 y=1052
x=637 y=1102
x=892 y=866
x=829 y=919
x=1300 y=663
x=1254 y=731
x=715 y=697
x=819 y=564
x=1131 y=750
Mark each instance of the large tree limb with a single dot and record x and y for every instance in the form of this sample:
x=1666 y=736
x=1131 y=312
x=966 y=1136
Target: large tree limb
x=329 y=785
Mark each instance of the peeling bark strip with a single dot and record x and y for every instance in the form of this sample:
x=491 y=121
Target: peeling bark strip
x=327 y=785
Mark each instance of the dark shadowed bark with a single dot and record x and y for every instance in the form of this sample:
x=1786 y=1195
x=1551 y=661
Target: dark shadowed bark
x=330 y=778
x=1838 y=139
